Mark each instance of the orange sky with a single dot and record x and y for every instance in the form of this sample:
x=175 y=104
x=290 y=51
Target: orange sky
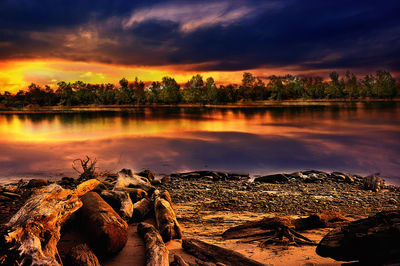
x=18 y=74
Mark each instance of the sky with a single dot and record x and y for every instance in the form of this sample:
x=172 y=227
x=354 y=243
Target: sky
x=46 y=41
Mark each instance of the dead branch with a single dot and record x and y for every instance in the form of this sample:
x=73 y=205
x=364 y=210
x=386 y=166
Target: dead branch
x=88 y=168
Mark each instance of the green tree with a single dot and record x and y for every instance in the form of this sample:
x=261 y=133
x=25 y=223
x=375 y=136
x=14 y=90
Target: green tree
x=385 y=85
x=211 y=94
x=351 y=86
x=194 y=90
x=170 y=92
x=277 y=88
x=335 y=88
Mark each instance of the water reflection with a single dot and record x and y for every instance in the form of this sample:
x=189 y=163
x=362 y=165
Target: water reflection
x=358 y=138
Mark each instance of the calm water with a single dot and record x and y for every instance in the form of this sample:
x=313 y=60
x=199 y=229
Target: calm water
x=357 y=138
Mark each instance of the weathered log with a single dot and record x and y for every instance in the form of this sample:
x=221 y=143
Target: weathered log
x=127 y=179
x=216 y=254
x=124 y=203
x=135 y=194
x=141 y=209
x=81 y=255
x=179 y=261
x=257 y=228
x=265 y=225
x=373 y=240
x=156 y=251
x=165 y=217
x=106 y=230
x=36 y=226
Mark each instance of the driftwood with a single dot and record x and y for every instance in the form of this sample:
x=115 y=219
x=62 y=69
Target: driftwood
x=81 y=255
x=106 y=230
x=36 y=226
x=135 y=194
x=165 y=217
x=123 y=202
x=374 y=240
x=179 y=261
x=282 y=230
x=141 y=209
x=127 y=179
x=88 y=168
x=216 y=254
x=156 y=251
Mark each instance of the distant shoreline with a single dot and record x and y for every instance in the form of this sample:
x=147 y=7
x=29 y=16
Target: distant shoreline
x=246 y=104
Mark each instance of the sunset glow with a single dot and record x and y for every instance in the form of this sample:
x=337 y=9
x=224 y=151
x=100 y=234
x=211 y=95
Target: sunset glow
x=222 y=39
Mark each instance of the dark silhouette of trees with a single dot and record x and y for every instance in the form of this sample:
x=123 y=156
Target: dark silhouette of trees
x=379 y=86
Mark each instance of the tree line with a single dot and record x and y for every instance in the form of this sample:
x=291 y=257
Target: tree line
x=199 y=91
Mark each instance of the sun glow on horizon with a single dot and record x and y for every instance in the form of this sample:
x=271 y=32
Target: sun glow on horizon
x=18 y=74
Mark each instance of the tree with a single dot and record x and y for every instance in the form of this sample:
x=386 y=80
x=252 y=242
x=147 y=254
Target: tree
x=385 y=85
x=211 y=94
x=65 y=93
x=351 y=86
x=335 y=88
x=194 y=90
x=277 y=88
x=170 y=92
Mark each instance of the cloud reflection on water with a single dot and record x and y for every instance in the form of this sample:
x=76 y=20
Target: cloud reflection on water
x=258 y=141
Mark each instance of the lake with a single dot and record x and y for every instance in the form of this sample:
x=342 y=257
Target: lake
x=360 y=138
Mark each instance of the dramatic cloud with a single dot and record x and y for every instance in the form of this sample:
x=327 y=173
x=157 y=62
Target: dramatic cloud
x=192 y=16
x=298 y=36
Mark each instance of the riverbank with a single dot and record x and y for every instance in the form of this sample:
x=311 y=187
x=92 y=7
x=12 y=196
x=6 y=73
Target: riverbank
x=244 y=104
x=208 y=203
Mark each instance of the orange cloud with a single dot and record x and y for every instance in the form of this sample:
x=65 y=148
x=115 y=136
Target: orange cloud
x=18 y=74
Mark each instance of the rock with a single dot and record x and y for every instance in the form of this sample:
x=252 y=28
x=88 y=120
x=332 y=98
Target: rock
x=33 y=183
x=147 y=174
x=373 y=182
x=372 y=240
x=341 y=177
x=155 y=182
x=165 y=179
x=277 y=178
x=106 y=230
x=81 y=255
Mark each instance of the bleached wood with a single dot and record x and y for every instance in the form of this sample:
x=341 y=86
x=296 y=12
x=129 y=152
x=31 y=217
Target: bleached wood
x=35 y=228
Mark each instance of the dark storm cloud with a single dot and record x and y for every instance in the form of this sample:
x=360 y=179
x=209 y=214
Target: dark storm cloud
x=224 y=35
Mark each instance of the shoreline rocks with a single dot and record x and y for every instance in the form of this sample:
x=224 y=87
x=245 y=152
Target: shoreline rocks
x=373 y=240
x=135 y=196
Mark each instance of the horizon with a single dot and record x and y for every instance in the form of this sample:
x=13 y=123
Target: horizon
x=45 y=42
